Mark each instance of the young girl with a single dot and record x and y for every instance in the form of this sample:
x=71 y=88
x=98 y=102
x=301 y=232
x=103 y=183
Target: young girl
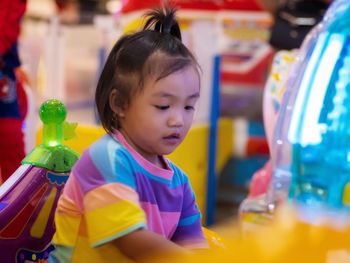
x=124 y=200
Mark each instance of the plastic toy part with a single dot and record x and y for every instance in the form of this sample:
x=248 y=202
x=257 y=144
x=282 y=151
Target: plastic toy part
x=313 y=148
x=28 y=199
x=52 y=114
x=255 y=211
x=52 y=154
x=311 y=151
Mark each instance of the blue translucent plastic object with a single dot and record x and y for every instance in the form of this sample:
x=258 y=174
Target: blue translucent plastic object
x=312 y=154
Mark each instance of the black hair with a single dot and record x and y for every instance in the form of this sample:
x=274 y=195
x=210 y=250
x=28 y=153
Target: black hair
x=157 y=51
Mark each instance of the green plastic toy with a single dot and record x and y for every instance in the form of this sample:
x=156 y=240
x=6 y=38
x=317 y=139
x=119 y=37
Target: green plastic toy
x=52 y=154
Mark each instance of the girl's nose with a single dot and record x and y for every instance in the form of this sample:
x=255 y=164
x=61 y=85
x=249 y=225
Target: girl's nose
x=176 y=119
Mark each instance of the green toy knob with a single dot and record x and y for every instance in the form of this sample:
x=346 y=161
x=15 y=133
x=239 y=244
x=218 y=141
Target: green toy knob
x=52 y=154
x=52 y=113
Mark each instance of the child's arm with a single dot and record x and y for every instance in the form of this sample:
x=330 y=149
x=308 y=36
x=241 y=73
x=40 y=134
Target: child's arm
x=189 y=233
x=141 y=245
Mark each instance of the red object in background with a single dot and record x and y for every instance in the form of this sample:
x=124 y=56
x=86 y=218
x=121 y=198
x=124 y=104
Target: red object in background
x=11 y=148
x=22 y=100
x=247 y=5
x=61 y=4
x=10 y=13
x=260 y=181
x=257 y=146
x=249 y=69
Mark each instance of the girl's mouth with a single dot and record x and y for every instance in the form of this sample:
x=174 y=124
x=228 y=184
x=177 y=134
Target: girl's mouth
x=172 y=139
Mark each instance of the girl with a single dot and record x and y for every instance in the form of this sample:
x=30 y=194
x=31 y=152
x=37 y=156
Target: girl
x=124 y=200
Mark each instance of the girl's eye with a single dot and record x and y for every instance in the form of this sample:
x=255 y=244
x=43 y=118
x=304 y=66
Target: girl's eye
x=159 y=107
x=189 y=108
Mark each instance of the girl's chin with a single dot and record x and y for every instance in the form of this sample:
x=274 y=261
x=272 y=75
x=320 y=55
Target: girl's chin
x=167 y=151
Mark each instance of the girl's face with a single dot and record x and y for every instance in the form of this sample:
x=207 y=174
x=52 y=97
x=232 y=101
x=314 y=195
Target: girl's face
x=159 y=117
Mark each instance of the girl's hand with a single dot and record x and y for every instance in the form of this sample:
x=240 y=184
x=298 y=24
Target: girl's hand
x=146 y=246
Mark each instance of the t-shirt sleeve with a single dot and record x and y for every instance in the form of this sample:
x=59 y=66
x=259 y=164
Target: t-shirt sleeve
x=111 y=202
x=68 y=221
x=189 y=233
x=112 y=211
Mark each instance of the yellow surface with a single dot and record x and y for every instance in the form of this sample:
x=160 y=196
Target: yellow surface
x=39 y=225
x=86 y=135
x=191 y=155
x=224 y=143
x=134 y=25
x=287 y=240
x=346 y=195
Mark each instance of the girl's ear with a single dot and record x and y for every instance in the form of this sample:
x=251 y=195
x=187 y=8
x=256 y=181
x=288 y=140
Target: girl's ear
x=113 y=98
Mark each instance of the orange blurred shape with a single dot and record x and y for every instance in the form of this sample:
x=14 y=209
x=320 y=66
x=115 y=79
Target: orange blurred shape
x=287 y=240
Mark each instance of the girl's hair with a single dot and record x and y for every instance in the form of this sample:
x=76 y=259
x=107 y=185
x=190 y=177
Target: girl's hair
x=155 y=51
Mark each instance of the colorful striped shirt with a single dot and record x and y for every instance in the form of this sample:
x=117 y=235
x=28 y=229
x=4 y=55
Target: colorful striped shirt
x=111 y=192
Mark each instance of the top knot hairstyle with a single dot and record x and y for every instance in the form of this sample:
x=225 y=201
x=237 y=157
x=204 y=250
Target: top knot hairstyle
x=163 y=22
x=155 y=51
